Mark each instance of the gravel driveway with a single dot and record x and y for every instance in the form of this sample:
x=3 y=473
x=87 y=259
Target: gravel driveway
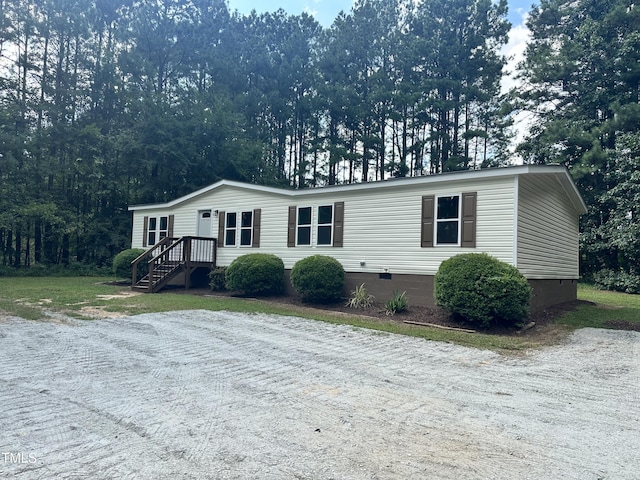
x=214 y=395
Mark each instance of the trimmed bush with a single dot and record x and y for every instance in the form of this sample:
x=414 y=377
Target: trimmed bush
x=122 y=263
x=482 y=290
x=217 y=280
x=256 y=274
x=318 y=279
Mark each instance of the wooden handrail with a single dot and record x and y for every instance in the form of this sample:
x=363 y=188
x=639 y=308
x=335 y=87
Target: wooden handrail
x=189 y=253
x=137 y=260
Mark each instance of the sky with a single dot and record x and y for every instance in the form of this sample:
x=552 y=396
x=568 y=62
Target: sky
x=326 y=10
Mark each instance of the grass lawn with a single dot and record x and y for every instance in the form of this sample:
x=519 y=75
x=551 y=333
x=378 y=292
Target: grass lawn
x=91 y=297
x=607 y=307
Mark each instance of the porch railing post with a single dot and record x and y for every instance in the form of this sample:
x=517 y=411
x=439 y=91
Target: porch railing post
x=151 y=275
x=186 y=252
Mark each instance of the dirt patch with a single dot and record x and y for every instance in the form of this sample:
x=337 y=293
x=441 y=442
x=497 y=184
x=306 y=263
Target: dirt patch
x=94 y=312
x=122 y=294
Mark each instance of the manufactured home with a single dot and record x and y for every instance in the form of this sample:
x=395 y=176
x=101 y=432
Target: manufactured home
x=391 y=234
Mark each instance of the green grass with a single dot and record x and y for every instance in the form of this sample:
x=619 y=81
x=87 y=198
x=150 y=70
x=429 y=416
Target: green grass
x=29 y=298
x=607 y=306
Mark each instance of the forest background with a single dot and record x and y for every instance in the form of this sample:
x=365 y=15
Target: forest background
x=109 y=103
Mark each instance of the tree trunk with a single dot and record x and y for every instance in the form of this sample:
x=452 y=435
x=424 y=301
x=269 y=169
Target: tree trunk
x=37 y=241
x=18 y=250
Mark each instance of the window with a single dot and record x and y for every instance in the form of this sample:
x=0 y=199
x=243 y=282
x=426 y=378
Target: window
x=239 y=229
x=448 y=220
x=326 y=221
x=303 y=234
x=230 y=229
x=325 y=224
x=246 y=228
x=157 y=229
x=242 y=231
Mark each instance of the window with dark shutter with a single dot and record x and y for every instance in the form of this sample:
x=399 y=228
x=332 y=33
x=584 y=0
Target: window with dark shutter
x=157 y=228
x=316 y=226
x=239 y=229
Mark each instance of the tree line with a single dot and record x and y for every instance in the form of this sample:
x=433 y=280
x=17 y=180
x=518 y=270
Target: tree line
x=581 y=79
x=107 y=103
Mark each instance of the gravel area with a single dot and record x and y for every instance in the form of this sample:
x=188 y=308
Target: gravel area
x=216 y=395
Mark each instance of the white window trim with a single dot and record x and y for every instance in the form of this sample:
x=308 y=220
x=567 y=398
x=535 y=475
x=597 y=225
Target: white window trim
x=226 y=229
x=313 y=226
x=310 y=226
x=157 y=231
x=318 y=224
x=437 y=221
x=238 y=229
x=241 y=228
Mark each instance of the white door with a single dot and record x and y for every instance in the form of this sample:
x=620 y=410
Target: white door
x=200 y=248
x=204 y=223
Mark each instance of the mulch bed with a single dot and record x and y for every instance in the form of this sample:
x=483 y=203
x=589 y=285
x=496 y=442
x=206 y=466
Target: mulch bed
x=418 y=315
x=623 y=325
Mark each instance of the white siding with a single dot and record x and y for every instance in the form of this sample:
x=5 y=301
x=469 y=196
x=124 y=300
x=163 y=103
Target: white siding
x=381 y=225
x=547 y=229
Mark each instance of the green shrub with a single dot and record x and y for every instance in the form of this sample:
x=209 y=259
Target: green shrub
x=360 y=298
x=122 y=263
x=618 y=281
x=217 y=280
x=396 y=304
x=482 y=290
x=318 y=279
x=256 y=274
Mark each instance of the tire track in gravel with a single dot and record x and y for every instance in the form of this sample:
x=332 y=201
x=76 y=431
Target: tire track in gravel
x=224 y=395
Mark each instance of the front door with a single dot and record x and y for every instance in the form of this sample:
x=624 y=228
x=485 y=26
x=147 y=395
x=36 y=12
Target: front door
x=204 y=223
x=201 y=249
